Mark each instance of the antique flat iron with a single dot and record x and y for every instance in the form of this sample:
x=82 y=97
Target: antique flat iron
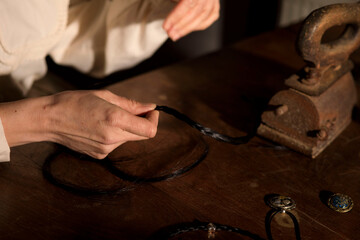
x=318 y=105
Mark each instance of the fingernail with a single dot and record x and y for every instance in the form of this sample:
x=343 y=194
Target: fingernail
x=150 y=106
x=174 y=35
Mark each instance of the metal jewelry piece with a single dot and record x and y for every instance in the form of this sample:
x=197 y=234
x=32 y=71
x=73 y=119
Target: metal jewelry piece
x=211 y=230
x=340 y=203
x=281 y=204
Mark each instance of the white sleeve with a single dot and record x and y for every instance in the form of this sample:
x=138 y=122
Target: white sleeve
x=4 y=147
x=107 y=36
x=28 y=31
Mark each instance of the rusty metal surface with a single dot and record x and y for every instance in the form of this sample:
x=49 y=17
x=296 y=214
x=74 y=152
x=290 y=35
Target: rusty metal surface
x=296 y=81
x=322 y=56
x=318 y=106
x=311 y=122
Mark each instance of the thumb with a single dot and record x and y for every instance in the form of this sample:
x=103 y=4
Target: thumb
x=129 y=105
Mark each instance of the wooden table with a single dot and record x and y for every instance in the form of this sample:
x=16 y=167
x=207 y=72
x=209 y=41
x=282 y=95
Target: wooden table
x=226 y=91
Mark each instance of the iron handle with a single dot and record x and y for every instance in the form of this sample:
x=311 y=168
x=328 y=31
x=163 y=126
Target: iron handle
x=323 y=55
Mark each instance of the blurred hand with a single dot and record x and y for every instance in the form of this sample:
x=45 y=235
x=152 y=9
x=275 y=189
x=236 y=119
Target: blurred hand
x=191 y=15
x=90 y=122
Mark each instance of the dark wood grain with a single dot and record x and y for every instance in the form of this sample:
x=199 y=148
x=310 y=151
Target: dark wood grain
x=226 y=91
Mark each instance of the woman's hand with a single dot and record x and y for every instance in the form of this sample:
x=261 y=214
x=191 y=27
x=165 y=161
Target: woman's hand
x=191 y=15
x=90 y=122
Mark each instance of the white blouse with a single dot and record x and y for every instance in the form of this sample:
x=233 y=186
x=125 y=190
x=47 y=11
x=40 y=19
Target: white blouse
x=97 y=37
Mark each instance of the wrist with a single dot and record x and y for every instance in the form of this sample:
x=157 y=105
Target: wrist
x=26 y=121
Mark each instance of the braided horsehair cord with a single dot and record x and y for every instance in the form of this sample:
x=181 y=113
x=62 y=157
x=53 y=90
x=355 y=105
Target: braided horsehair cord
x=109 y=165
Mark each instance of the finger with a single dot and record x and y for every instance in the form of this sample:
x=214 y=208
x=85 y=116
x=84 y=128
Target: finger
x=121 y=126
x=177 y=13
x=129 y=105
x=146 y=127
x=193 y=25
x=187 y=11
x=114 y=135
x=199 y=24
x=85 y=146
x=214 y=16
x=97 y=148
x=191 y=21
x=153 y=117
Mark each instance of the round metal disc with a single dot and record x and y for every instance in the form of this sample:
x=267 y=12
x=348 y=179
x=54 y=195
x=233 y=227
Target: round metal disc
x=340 y=203
x=282 y=203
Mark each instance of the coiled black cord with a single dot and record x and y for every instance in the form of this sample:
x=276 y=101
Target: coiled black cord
x=136 y=179
x=178 y=229
x=110 y=166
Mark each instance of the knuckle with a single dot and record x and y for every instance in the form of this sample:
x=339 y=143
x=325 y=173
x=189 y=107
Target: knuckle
x=111 y=116
x=105 y=149
x=99 y=155
x=103 y=92
x=107 y=138
x=152 y=131
x=102 y=151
